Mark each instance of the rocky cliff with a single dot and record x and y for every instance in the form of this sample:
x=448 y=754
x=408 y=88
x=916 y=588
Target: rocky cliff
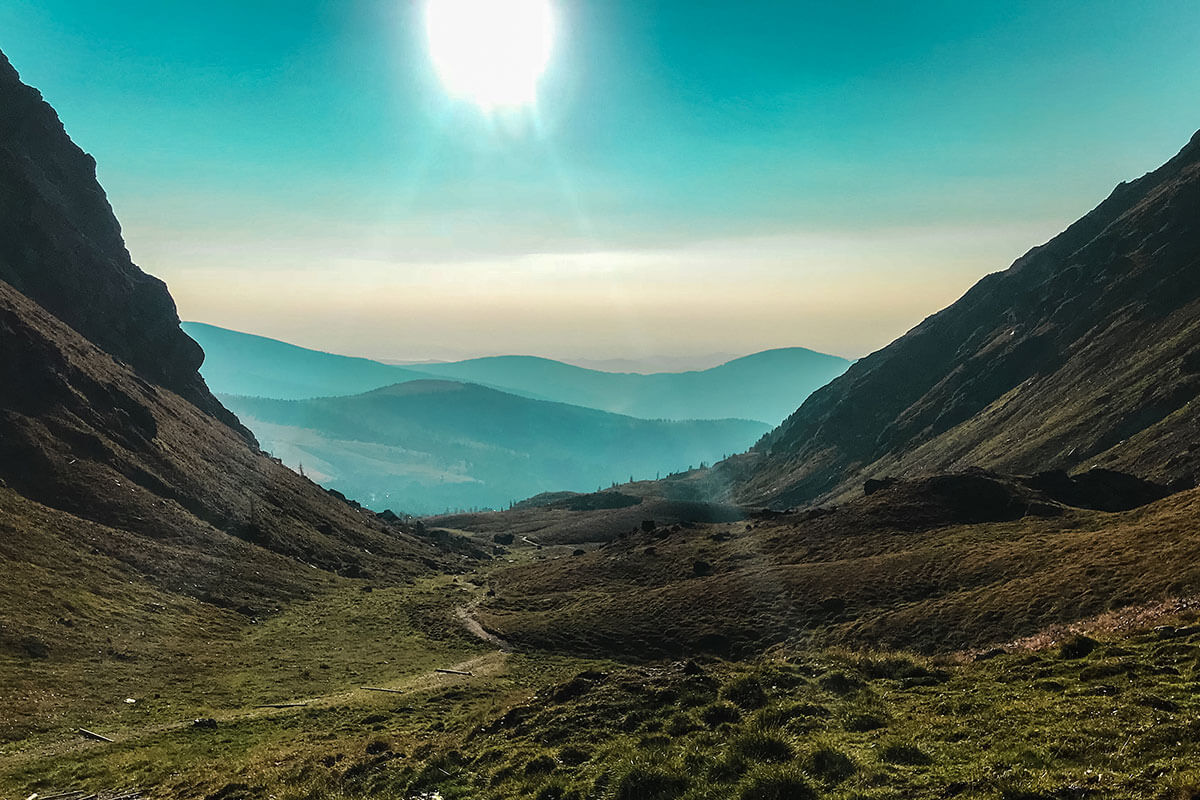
x=104 y=417
x=61 y=246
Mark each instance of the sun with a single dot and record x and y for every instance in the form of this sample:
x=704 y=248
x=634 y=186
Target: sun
x=491 y=52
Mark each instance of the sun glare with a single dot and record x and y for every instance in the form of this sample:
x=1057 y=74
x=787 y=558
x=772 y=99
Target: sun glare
x=491 y=52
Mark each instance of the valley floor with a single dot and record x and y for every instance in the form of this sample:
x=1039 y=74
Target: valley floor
x=1117 y=715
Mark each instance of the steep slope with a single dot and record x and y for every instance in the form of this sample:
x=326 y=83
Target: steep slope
x=763 y=386
x=1086 y=351
x=425 y=446
x=103 y=416
x=61 y=246
x=85 y=434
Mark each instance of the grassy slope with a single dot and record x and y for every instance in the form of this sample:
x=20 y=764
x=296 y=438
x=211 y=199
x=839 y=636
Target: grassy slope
x=1083 y=352
x=1120 y=721
x=82 y=630
x=82 y=433
x=84 y=627
x=850 y=576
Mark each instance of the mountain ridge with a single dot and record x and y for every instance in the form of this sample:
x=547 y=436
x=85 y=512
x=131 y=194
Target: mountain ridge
x=761 y=386
x=61 y=246
x=1081 y=353
x=105 y=418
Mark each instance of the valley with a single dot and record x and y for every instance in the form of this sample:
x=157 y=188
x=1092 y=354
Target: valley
x=426 y=446
x=1102 y=706
x=966 y=565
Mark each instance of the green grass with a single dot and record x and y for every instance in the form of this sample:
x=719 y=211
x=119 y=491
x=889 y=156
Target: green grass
x=1106 y=715
x=847 y=577
x=181 y=660
x=1122 y=721
x=1019 y=725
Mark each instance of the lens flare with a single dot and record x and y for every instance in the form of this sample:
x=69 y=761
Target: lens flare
x=491 y=52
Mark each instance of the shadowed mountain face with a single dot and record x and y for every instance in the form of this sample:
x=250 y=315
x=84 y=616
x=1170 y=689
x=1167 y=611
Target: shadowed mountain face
x=1085 y=352
x=425 y=446
x=765 y=386
x=104 y=417
x=61 y=246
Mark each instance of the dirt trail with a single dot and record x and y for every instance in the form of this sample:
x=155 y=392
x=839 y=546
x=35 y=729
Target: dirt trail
x=467 y=615
x=479 y=666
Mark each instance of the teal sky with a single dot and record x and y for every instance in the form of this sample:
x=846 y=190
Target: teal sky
x=696 y=177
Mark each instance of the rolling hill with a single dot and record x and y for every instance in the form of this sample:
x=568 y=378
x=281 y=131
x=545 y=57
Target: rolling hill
x=425 y=446
x=765 y=386
x=761 y=386
x=244 y=364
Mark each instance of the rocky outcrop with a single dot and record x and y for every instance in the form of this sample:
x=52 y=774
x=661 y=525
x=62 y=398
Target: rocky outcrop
x=61 y=246
x=105 y=421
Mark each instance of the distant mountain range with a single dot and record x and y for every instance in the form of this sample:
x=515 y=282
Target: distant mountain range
x=424 y=446
x=766 y=386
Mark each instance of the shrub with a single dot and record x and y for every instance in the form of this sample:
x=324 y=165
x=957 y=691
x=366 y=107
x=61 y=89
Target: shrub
x=696 y=693
x=761 y=747
x=776 y=785
x=746 y=693
x=1077 y=647
x=719 y=713
x=903 y=753
x=840 y=683
x=644 y=783
x=1097 y=672
x=573 y=756
x=778 y=716
x=681 y=725
x=861 y=723
x=658 y=740
x=891 y=666
x=830 y=765
x=541 y=765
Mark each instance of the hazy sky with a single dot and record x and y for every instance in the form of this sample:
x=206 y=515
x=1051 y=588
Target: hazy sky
x=696 y=176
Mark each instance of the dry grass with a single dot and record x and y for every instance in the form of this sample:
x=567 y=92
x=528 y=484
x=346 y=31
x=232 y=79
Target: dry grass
x=844 y=578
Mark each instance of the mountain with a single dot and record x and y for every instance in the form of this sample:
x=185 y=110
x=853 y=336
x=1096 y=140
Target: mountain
x=183 y=617
x=1085 y=352
x=652 y=364
x=244 y=364
x=425 y=446
x=106 y=425
x=61 y=247
x=764 y=386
